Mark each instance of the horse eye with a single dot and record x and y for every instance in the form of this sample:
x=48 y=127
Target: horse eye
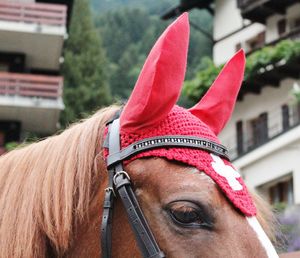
x=185 y=217
x=187 y=214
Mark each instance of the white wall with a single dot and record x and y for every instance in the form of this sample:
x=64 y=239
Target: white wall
x=293 y=11
x=280 y=156
x=272 y=30
x=227 y=20
x=269 y=100
x=225 y=49
x=275 y=165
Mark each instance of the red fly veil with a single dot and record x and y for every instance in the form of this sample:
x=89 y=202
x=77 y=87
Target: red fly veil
x=151 y=111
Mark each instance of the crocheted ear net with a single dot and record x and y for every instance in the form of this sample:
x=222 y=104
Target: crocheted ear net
x=151 y=111
x=181 y=122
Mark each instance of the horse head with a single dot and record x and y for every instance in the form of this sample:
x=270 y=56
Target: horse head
x=195 y=201
x=187 y=197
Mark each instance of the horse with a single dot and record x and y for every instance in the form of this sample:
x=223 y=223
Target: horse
x=193 y=200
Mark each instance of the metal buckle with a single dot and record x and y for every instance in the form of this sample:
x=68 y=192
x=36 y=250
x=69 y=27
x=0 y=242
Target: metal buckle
x=121 y=173
x=110 y=189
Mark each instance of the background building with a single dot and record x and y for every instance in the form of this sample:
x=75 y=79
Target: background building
x=32 y=34
x=264 y=133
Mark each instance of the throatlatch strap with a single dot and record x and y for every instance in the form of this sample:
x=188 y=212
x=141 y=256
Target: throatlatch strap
x=106 y=224
x=121 y=181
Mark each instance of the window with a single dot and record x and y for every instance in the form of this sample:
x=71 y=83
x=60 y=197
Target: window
x=259 y=130
x=2 y=139
x=296 y=23
x=239 y=137
x=281 y=27
x=256 y=42
x=9 y=132
x=280 y=190
x=285 y=117
x=3 y=67
x=238 y=46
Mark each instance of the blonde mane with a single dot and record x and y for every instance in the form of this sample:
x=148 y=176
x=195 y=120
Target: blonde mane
x=46 y=188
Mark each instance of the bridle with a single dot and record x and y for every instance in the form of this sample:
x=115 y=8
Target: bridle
x=119 y=184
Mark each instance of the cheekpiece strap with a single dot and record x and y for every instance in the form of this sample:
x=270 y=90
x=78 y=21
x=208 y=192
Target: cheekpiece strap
x=120 y=181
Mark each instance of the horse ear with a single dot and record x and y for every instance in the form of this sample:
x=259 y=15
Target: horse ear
x=216 y=106
x=159 y=84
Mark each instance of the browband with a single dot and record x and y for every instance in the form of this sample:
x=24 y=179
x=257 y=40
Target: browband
x=167 y=141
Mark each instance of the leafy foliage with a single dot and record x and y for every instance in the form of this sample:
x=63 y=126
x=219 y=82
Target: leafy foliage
x=85 y=86
x=11 y=146
x=197 y=87
x=285 y=50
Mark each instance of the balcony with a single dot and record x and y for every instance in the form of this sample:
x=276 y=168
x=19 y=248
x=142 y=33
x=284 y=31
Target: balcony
x=293 y=34
x=45 y=14
x=253 y=134
x=36 y=29
x=34 y=100
x=260 y=10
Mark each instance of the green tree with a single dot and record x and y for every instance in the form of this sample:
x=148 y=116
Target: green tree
x=154 y=7
x=129 y=34
x=84 y=68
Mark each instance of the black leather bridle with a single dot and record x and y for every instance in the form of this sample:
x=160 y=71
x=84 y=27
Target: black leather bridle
x=119 y=184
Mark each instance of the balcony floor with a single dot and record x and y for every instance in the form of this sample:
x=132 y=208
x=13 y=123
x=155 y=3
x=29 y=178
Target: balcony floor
x=42 y=45
x=35 y=114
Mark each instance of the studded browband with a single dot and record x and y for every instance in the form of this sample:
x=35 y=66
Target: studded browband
x=119 y=180
x=168 y=141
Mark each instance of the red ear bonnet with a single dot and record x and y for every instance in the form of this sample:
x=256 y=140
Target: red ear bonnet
x=151 y=112
x=216 y=106
x=159 y=84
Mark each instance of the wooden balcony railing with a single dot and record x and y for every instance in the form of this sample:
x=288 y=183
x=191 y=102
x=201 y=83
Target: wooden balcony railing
x=46 y=14
x=27 y=85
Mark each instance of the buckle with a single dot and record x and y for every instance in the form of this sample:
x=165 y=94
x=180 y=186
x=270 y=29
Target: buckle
x=110 y=189
x=119 y=173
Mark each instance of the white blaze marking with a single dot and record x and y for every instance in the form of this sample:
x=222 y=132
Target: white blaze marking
x=226 y=171
x=263 y=238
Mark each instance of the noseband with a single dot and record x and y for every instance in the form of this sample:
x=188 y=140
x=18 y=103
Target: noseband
x=119 y=184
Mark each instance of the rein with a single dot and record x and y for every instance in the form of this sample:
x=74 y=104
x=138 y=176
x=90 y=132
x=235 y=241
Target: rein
x=119 y=181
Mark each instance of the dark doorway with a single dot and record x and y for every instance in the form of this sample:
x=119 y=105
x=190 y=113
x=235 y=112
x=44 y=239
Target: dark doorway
x=9 y=132
x=285 y=117
x=239 y=137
